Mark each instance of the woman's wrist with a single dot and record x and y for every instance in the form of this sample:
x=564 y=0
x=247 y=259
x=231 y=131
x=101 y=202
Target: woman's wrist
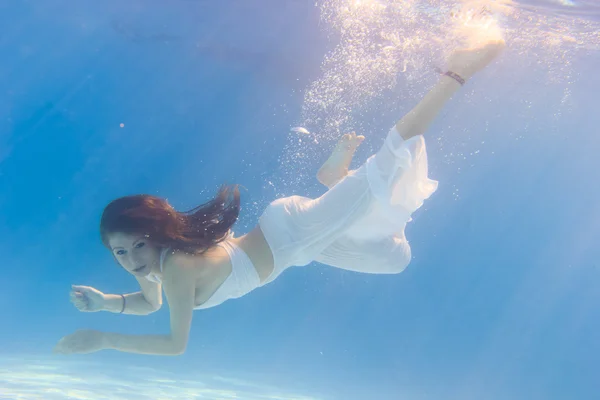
x=107 y=341
x=114 y=303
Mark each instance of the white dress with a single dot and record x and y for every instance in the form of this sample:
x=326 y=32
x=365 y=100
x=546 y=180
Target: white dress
x=359 y=223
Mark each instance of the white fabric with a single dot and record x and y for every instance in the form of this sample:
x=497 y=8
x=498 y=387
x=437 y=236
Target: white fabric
x=242 y=280
x=359 y=223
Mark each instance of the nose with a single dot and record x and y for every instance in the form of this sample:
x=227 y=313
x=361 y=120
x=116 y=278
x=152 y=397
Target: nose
x=137 y=261
x=134 y=260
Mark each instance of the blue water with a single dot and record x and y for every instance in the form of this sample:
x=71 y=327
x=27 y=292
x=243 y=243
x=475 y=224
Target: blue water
x=501 y=300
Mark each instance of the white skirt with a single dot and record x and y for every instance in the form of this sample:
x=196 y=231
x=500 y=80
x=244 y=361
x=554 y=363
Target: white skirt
x=359 y=223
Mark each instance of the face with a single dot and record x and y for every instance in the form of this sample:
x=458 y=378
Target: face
x=135 y=253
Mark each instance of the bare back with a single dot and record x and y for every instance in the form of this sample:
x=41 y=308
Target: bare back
x=256 y=247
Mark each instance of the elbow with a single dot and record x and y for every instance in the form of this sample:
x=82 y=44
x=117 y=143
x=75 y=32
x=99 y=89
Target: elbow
x=178 y=345
x=152 y=308
x=178 y=352
x=178 y=349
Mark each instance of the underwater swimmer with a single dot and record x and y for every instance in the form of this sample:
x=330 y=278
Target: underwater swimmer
x=357 y=225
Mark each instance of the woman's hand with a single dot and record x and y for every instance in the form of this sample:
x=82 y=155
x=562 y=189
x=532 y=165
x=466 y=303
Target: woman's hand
x=87 y=299
x=81 y=342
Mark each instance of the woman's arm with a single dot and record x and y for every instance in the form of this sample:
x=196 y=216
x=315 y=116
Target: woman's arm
x=145 y=302
x=179 y=285
x=89 y=299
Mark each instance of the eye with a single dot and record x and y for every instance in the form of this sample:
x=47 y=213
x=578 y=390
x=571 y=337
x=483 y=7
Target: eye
x=120 y=252
x=140 y=245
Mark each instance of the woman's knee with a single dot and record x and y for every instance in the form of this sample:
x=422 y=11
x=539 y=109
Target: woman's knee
x=396 y=260
x=394 y=266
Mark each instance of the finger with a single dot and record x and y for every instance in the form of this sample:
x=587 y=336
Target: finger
x=80 y=305
x=81 y=302
x=79 y=288
x=63 y=351
x=76 y=295
x=60 y=347
x=75 y=299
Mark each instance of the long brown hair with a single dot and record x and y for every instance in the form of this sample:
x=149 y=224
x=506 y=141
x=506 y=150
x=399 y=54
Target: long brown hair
x=193 y=231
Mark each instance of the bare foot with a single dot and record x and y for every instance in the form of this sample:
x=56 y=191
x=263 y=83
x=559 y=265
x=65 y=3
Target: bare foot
x=336 y=166
x=466 y=62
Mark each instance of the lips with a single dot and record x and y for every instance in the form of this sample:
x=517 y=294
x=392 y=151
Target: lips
x=139 y=269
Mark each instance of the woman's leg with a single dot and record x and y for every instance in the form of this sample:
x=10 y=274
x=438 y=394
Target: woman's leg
x=388 y=255
x=376 y=200
x=358 y=224
x=462 y=65
x=336 y=167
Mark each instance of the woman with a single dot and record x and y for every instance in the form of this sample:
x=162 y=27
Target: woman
x=358 y=225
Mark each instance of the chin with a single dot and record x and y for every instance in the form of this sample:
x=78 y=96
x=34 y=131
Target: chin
x=142 y=272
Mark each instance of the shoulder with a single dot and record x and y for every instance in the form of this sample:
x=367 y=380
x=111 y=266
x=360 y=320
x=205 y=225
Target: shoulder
x=179 y=264
x=183 y=262
x=180 y=259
